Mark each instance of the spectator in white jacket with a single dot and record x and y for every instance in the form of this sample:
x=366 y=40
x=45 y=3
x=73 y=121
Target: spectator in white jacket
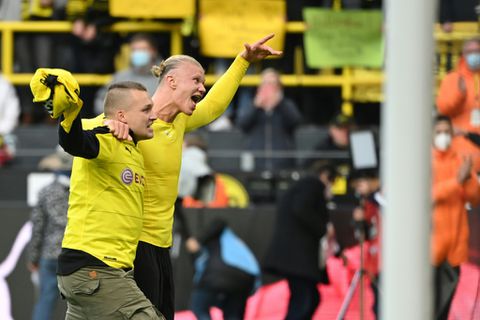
x=9 y=115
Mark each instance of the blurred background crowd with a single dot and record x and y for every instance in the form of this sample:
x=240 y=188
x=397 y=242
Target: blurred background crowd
x=291 y=119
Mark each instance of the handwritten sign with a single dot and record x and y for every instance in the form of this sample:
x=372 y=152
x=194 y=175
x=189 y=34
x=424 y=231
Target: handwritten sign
x=149 y=9
x=224 y=26
x=343 y=38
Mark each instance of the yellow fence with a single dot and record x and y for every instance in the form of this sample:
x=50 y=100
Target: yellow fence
x=8 y=29
x=356 y=84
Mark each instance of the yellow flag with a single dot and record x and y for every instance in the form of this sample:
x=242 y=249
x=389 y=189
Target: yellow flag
x=148 y=9
x=224 y=26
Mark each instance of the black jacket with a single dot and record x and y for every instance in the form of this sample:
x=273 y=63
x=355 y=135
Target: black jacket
x=301 y=222
x=271 y=131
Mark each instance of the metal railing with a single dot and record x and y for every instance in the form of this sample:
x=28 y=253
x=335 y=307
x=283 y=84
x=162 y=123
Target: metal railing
x=356 y=84
x=8 y=29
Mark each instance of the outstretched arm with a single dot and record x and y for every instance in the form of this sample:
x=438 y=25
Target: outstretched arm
x=222 y=92
x=259 y=50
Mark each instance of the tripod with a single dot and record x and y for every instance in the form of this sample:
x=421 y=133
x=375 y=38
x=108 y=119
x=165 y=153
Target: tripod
x=358 y=278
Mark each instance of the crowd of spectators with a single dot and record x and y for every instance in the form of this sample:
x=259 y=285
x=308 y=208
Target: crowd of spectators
x=88 y=49
x=267 y=116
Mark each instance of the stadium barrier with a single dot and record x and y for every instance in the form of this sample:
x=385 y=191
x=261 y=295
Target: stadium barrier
x=357 y=84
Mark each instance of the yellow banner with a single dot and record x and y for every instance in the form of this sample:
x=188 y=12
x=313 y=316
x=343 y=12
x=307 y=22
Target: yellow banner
x=149 y=9
x=225 y=25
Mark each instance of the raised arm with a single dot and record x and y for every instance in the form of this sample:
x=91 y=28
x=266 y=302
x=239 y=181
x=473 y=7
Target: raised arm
x=223 y=91
x=219 y=96
x=79 y=142
x=58 y=92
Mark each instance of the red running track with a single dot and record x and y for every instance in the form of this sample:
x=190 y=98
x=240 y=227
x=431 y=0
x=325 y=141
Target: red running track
x=270 y=301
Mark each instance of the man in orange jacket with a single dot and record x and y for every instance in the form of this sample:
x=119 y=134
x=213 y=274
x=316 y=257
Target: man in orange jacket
x=454 y=184
x=459 y=98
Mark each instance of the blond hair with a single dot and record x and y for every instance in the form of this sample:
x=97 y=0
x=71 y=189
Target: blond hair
x=117 y=95
x=172 y=63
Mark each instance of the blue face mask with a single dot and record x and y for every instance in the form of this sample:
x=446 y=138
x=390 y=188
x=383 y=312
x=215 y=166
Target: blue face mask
x=139 y=58
x=473 y=61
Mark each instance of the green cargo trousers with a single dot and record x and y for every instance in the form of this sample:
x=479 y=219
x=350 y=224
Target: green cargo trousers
x=105 y=293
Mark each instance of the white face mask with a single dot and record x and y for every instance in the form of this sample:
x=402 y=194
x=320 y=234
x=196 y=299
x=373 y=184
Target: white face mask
x=442 y=141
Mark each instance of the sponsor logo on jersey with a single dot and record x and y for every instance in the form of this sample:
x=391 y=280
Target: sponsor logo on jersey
x=128 y=176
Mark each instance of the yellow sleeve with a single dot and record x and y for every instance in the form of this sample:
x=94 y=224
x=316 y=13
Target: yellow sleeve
x=107 y=145
x=219 y=96
x=89 y=124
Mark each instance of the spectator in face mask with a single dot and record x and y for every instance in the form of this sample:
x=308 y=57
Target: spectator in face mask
x=458 y=98
x=269 y=123
x=143 y=55
x=454 y=184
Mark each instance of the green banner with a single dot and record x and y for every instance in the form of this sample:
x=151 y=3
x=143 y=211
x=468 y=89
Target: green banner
x=343 y=38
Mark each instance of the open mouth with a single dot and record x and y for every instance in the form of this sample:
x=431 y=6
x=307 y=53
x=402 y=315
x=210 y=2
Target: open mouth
x=196 y=98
